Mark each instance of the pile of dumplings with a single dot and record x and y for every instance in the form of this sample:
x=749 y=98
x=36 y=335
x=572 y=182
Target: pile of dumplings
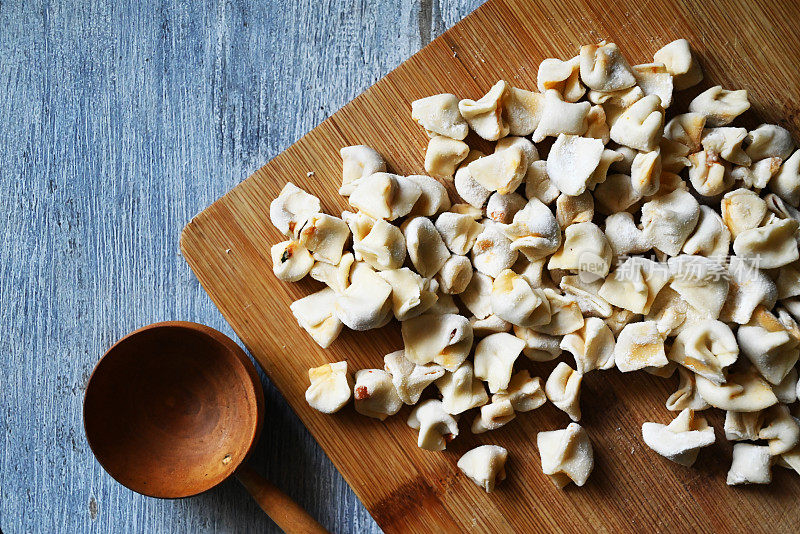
x=593 y=228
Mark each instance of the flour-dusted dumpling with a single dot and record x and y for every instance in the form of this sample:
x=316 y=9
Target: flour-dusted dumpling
x=786 y=390
x=534 y=231
x=467 y=187
x=635 y=284
x=491 y=325
x=681 y=440
x=743 y=426
x=758 y=174
x=585 y=249
x=535 y=272
x=669 y=310
x=330 y=387
x=567 y=455
x=478 y=295
x=726 y=142
x=502 y=171
x=492 y=416
x=561 y=76
x=620 y=318
x=750 y=287
x=770 y=246
x=484 y=465
x=668 y=221
x=592 y=346
x=786 y=183
x=706 y=348
x=493 y=251
x=674 y=155
x=586 y=295
x=410 y=379
x=709 y=175
x=720 y=106
x=291 y=261
x=502 y=208
x=640 y=126
x=522 y=111
x=640 y=345
x=710 y=238
x=539 y=347
x=385 y=196
x=751 y=465
x=426 y=249
x=769 y=140
x=443 y=339
x=412 y=295
x=459 y=231
x=436 y=427
x=615 y=194
x=565 y=314
x=769 y=345
x=316 y=315
x=563 y=388
x=375 y=241
x=523 y=392
x=524 y=144
x=433 y=199
x=686 y=129
x=439 y=115
x=461 y=391
x=324 y=236
x=646 y=173
x=781 y=430
x=485 y=116
x=701 y=281
x=538 y=184
x=366 y=303
x=515 y=301
x=603 y=68
x=374 y=394
x=624 y=236
x=291 y=209
x=600 y=174
x=336 y=277
x=494 y=359
x=597 y=126
x=455 y=275
x=655 y=79
x=743 y=391
x=742 y=210
x=677 y=58
x=686 y=396
x=560 y=117
x=788 y=281
x=571 y=162
x=443 y=156
x=358 y=162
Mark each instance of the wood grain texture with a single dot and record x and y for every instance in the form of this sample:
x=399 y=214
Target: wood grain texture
x=740 y=45
x=119 y=121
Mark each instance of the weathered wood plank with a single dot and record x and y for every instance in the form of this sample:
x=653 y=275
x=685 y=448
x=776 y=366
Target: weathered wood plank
x=118 y=122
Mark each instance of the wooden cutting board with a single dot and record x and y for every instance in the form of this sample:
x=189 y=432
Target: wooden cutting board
x=751 y=45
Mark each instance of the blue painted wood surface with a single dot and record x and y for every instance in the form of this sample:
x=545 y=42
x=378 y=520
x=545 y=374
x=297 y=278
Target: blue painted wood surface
x=119 y=120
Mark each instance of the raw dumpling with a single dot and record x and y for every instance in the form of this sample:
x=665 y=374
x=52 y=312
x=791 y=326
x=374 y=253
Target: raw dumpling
x=567 y=455
x=681 y=440
x=443 y=339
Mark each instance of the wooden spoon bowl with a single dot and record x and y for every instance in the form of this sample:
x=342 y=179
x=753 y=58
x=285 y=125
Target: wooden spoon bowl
x=173 y=409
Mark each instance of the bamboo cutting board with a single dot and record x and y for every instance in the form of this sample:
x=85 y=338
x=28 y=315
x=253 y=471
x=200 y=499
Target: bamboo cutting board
x=749 y=45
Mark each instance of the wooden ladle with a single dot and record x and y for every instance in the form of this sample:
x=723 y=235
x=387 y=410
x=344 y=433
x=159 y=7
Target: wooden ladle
x=173 y=409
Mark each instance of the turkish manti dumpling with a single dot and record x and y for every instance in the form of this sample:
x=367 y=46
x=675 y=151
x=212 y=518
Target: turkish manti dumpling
x=582 y=219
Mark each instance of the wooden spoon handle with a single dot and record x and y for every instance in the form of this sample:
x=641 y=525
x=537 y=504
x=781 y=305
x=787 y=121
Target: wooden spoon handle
x=286 y=513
